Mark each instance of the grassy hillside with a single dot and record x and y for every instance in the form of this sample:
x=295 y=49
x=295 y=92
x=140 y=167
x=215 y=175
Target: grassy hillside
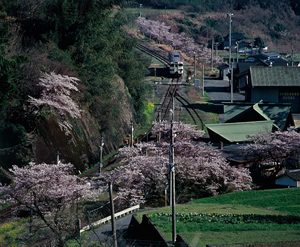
x=284 y=200
x=227 y=219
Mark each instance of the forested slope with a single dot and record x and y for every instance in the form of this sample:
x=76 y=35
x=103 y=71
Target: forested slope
x=81 y=39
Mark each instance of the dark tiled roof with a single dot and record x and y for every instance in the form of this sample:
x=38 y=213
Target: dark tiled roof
x=293 y=174
x=275 y=76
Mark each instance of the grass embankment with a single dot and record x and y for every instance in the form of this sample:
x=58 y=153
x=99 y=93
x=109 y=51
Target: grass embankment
x=262 y=218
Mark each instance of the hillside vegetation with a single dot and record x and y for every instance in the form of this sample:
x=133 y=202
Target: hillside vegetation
x=277 y=23
x=81 y=39
x=87 y=40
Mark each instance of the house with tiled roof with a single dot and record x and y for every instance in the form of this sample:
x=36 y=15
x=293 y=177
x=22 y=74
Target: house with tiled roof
x=280 y=84
x=291 y=178
x=269 y=58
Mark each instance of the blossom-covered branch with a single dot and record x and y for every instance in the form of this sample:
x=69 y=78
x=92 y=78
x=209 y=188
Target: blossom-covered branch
x=56 y=97
x=50 y=191
x=200 y=169
x=160 y=32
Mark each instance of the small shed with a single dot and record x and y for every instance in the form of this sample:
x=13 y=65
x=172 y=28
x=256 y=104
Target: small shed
x=237 y=132
x=290 y=178
x=224 y=70
x=281 y=114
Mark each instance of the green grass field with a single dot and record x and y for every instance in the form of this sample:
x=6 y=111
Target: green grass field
x=202 y=226
x=283 y=200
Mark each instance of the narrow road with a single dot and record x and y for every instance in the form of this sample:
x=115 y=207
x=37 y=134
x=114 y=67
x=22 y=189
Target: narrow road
x=219 y=91
x=103 y=234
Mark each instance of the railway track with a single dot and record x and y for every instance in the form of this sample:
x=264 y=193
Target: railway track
x=7 y=213
x=153 y=54
x=171 y=91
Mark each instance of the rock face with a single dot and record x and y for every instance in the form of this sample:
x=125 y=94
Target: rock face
x=81 y=147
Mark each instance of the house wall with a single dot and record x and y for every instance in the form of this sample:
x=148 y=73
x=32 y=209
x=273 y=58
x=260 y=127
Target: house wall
x=286 y=181
x=290 y=95
x=267 y=94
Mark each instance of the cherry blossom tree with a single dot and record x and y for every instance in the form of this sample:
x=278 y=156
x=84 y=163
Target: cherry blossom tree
x=50 y=192
x=55 y=97
x=200 y=169
x=161 y=33
x=279 y=148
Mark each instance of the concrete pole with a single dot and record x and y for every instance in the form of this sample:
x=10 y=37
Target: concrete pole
x=113 y=224
x=212 y=53
x=172 y=175
x=229 y=62
x=237 y=52
x=57 y=157
x=31 y=216
x=131 y=133
x=100 y=153
x=203 y=78
x=159 y=120
x=292 y=55
x=195 y=67
x=141 y=5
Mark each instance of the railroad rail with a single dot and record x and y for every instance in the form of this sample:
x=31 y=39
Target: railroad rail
x=153 y=54
x=7 y=213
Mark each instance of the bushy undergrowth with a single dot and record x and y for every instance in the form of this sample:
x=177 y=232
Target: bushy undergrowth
x=10 y=233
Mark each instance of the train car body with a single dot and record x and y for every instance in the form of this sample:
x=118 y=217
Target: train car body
x=176 y=64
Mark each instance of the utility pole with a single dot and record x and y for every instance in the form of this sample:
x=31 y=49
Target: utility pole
x=141 y=6
x=78 y=221
x=159 y=120
x=212 y=53
x=230 y=64
x=100 y=153
x=172 y=175
x=237 y=52
x=113 y=224
x=195 y=66
x=31 y=215
x=292 y=55
x=203 y=77
x=57 y=157
x=131 y=133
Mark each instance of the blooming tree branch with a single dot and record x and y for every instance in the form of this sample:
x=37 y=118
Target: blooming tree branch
x=160 y=32
x=56 y=97
x=51 y=192
x=200 y=169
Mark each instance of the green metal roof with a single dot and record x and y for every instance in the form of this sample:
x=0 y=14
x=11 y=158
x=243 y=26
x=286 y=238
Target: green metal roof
x=260 y=112
x=232 y=110
x=237 y=132
x=275 y=76
x=279 y=113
